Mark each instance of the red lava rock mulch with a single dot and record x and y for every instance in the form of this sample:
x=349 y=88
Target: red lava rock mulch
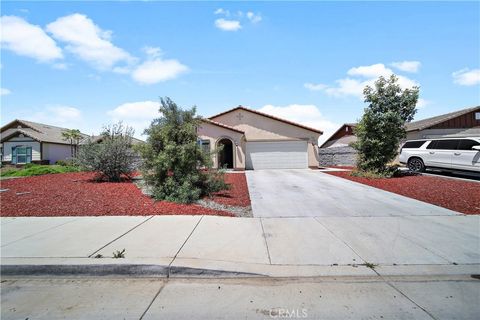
x=75 y=194
x=237 y=195
x=457 y=195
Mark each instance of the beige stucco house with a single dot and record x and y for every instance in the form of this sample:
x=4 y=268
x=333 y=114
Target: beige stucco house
x=250 y=139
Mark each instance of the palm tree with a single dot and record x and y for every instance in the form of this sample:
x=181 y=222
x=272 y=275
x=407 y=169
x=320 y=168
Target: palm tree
x=73 y=136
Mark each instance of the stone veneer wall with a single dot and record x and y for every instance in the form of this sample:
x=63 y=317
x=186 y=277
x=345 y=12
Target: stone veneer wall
x=337 y=156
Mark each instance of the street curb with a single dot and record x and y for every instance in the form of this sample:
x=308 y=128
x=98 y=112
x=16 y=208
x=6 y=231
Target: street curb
x=140 y=270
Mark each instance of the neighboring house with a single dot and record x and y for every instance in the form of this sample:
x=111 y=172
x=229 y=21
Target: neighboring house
x=251 y=139
x=342 y=137
x=30 y=142
x=336 y=150
x=461 y=123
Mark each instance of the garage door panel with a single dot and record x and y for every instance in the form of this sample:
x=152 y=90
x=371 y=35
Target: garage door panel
x=277 y=155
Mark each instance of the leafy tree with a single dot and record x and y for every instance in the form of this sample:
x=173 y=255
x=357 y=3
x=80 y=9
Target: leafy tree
x=112 y=156
x=174 y=165
x=382 y=126
x=73 y=136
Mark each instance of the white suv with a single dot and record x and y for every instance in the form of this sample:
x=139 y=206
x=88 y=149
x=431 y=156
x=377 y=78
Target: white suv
x=447 y=153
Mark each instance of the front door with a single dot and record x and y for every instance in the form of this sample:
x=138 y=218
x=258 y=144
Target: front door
x=225 y=155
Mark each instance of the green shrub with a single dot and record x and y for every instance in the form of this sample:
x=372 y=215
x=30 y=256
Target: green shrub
x=111 y=158
x=173 y=164
x=388 y=172
x=382 y=126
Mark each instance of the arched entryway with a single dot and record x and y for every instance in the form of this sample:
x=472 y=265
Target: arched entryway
x=225 y=155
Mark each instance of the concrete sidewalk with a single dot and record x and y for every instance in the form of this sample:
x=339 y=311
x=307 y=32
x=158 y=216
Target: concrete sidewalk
x=178 y=246
x=440 y=298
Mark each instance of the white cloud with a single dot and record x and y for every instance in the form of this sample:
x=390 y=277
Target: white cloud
x=422 y=103
x=228 y=25
x=87 y=41
x=4 y=92
x=62 y=116
x=306 y=114
x=359 y=78
x=407 y=66
x=466 y=77
x=28 y=40
x=153 y=52
x=254 y=18
x=372 y=71
x=222 y=12
x=138 y=115
x=158 y=70
x=315 y=87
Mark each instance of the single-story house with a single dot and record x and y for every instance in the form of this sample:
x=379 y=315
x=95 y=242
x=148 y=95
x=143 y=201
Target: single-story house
x=250 y=139
x=30 y=142
x=462 y=123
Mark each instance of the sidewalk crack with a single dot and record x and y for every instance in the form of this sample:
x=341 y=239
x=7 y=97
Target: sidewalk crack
x=266 y=243
x=176 y=254
x=138 y=225
x=341 y=240
x=154 y=298
x=403 y=294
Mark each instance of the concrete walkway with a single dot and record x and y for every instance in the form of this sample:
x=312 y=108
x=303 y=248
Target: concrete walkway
x=311 y=193
x=209 y=245
x=445 y=298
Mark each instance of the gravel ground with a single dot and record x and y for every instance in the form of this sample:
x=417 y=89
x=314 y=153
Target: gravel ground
x=76 y=194
x=236 y=200
x=244 y=212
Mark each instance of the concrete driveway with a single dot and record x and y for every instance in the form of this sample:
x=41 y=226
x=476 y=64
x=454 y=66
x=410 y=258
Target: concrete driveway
x=310 y=193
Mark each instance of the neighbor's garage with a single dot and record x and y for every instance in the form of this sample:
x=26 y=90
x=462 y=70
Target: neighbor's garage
x=276 y=155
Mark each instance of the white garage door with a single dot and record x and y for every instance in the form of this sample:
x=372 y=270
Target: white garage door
x=277 y=155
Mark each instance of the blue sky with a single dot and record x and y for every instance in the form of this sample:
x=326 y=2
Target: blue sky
x=85 y=64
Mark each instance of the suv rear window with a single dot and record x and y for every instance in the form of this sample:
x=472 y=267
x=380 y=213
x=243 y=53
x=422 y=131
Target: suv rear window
x=413 y=144
x=444 y=144
x=467 y=144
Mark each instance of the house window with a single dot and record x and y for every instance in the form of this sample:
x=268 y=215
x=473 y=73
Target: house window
x=477 y=115
x=205 y=145
x=21 y=154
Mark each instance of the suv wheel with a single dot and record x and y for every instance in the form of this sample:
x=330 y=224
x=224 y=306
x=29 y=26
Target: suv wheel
x=416 y=165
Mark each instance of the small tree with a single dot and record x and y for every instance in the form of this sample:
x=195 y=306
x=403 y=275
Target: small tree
x=174 y=165
x=112 y=156
x=382 y=126
x=73 y=136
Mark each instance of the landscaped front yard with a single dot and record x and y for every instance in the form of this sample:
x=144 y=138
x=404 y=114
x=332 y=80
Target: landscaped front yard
x=76 y=194
x=458 y=195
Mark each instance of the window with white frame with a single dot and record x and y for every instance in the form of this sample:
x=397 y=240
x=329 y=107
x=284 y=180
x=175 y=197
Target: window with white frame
x=21 y=154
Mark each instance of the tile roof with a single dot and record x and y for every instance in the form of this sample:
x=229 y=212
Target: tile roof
x=268 y=116
x=222 y=125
